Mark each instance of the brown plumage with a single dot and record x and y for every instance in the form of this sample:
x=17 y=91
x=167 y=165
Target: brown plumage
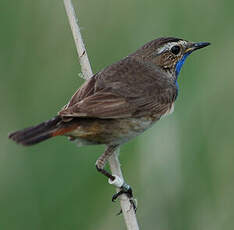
x=127 y=89
x=121 y=101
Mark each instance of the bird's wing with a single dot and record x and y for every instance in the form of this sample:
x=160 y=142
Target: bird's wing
x=125 y=89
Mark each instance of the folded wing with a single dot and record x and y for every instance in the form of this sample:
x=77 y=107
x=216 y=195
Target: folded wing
x=126 y=89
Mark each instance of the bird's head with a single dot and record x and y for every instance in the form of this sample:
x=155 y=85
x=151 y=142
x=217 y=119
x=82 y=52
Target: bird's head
x=168 y=53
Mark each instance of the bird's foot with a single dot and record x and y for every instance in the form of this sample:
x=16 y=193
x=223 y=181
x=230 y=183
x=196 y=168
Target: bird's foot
x=124 y=189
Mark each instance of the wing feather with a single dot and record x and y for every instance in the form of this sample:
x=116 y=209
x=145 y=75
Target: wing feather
x=125 y=89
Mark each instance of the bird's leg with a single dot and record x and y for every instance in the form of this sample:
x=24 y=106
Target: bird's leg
x=114 y=179
x=101 y=161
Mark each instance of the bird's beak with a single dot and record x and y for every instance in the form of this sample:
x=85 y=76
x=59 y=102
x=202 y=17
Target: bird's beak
x=195 y=46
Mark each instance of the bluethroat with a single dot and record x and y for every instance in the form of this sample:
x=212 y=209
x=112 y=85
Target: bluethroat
x=119 y=102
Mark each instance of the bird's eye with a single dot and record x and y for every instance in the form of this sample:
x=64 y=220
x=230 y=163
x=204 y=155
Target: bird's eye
x=175 y=49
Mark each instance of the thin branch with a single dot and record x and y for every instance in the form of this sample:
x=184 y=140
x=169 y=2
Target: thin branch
x=128 y=211
x=80 y=47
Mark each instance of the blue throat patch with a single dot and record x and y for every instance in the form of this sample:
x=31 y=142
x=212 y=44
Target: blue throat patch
x=179 y=65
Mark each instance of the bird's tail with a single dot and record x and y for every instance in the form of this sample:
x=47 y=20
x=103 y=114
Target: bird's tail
x=39 y=133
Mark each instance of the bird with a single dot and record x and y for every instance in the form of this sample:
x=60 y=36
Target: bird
x=119 y=102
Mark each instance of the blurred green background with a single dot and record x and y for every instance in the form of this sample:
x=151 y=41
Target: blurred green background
x=181 y=169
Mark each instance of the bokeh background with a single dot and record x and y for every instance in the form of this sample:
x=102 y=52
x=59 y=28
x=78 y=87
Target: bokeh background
x=181 y=169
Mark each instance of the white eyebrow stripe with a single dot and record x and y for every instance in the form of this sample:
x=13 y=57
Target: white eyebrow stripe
x=169 y=45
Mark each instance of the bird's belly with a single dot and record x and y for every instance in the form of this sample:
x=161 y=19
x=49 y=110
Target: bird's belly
x=110 y=131
x=130 y=128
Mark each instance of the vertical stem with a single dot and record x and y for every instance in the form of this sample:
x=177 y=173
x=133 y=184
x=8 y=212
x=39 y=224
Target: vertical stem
x=128 y=211
x=80 y=47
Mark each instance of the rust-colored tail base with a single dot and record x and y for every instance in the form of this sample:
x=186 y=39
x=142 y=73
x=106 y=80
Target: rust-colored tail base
x=38 y=133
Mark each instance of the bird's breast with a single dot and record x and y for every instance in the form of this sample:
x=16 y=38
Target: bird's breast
x=170 y=110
